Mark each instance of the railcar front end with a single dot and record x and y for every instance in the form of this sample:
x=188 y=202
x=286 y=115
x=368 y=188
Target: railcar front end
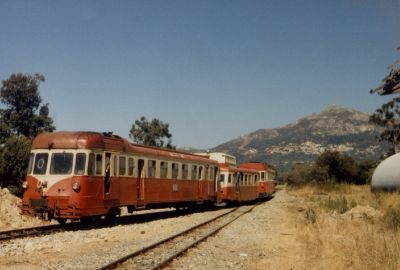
x=58 y=185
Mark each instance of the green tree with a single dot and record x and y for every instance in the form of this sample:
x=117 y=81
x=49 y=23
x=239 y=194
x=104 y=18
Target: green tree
x=340 y=168
x=14 y=157
x=332 y=167
x=23 y=113
x=153 y=133
x=22 y=117
x=388 y=116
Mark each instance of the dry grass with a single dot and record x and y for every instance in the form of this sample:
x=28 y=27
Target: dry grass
x=348 y=227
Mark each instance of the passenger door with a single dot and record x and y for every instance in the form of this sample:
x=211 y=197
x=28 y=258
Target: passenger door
x=140 y=181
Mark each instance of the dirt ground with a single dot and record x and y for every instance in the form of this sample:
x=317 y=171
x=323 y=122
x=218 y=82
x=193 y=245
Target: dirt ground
x=275 y=235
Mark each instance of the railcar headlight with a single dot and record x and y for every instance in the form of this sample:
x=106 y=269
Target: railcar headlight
x=25 y=185
x=76 y=186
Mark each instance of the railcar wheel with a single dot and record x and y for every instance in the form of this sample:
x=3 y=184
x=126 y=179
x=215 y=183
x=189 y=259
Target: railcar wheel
x=61 y=220
x=113 y=213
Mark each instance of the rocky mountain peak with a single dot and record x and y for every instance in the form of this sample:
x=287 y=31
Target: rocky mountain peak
x=335 y=128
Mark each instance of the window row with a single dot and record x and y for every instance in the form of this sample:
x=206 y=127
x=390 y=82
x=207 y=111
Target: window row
x=176 y=170
x=101 y=164
x=245 y=179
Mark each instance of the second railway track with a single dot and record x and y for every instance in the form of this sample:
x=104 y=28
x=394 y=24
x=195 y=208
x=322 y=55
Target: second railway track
x=159 y=254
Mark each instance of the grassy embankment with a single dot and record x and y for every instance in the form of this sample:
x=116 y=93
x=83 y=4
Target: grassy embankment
x=347 y=227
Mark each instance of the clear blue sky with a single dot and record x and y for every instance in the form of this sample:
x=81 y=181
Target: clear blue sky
x=214 y=70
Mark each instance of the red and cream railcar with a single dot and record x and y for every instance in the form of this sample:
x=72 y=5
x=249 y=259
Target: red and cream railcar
x=73 y=175
x=266 y=185
x=238 y=184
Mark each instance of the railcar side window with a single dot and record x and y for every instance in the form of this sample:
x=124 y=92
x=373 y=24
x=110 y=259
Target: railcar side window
x=222 y=178
x=151 y=168
x=99 y=164
x=61 y=163
x=40 y=163
x=163 y=169
x=262 y=175
x=194 y=172
x=206 y=173
x=185 y=171
x=130 y=166
x=122 y=166
x=230 y=178
x=31 y=159
x=175 y=168
x=91 y=164
x=256 y=178
x=201 y=172
x=80 y=163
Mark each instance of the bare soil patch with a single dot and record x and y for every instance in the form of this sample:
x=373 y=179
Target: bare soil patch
x=10 y=213
x=293 y=230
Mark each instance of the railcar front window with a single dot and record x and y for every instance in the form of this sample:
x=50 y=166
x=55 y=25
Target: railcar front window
x=80 y=164
x=61 y=163
x=40 y=163
x=30 y=165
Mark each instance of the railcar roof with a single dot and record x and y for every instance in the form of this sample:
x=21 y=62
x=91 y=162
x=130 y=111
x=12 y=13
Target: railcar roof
x=237 y=169
x=254 y=165
x=105 y=141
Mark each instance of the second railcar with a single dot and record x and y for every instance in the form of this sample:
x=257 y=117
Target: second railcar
x=266 y=185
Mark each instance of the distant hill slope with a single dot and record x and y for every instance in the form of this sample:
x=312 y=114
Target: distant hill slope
x=342 y=129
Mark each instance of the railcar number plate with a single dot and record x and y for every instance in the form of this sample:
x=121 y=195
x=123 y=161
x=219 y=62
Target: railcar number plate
x=38 y=203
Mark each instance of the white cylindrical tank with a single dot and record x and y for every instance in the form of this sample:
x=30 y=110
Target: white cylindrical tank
x=387 y=175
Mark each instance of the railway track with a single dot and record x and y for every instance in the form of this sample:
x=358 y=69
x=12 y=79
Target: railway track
x=53 y=228
x=159 y=254
x=30 y=231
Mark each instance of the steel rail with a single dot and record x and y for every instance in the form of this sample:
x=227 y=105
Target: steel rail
x=115 y=264
x=73 y=226
x=30 y=231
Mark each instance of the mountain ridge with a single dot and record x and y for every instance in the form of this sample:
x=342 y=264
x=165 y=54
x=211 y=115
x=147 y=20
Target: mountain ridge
x=335 y=128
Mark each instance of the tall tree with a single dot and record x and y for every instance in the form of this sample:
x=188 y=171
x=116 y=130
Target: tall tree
x=23 y=113
x=153 y=133
x=388 y=116
x=22 y=117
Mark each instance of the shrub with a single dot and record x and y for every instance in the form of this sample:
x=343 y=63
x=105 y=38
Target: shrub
x=340 y=204
x=14 y=158
x=391 y=218
x=311 y=216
